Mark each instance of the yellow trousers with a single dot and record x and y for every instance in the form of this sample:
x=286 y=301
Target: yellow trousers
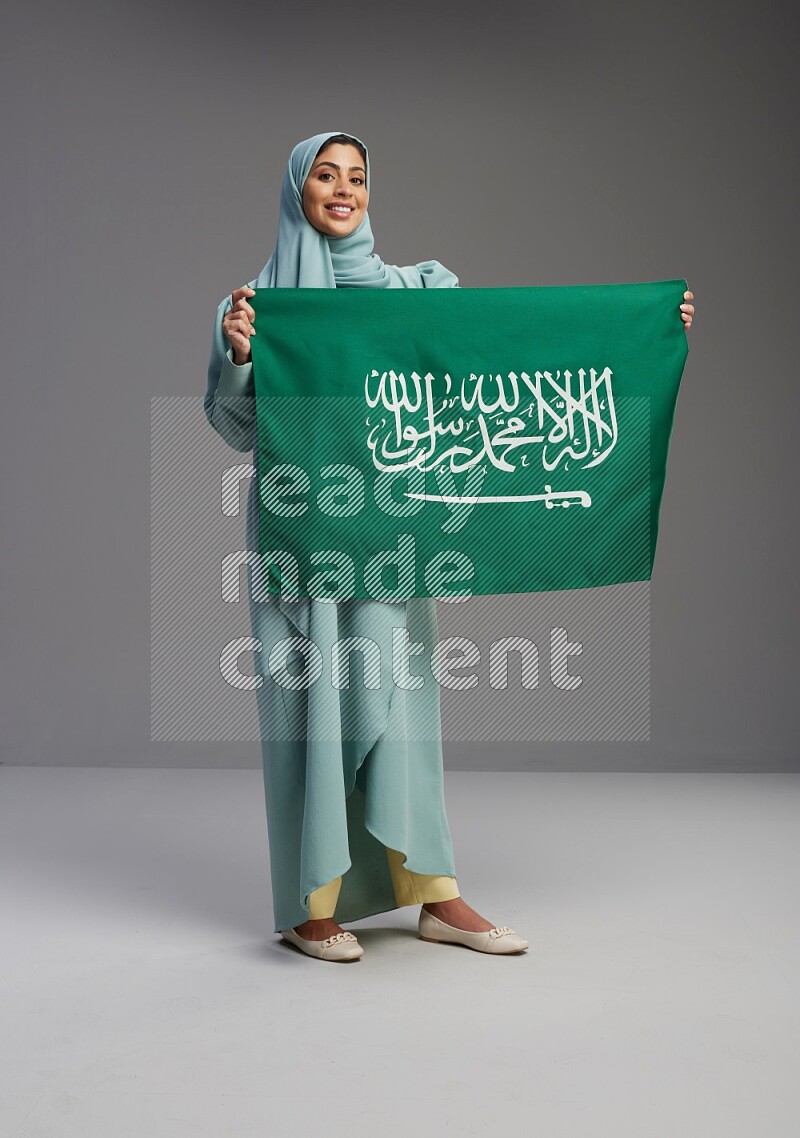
x=409 y=888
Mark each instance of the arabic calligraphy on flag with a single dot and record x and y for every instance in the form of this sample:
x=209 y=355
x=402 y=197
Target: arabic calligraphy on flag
x=513 y=422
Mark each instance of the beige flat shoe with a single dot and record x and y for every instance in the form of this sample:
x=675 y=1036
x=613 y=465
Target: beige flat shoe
x=500 y=939
x=339 y=947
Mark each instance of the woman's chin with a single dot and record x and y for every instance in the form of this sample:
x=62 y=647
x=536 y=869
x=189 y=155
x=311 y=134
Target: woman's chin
x=337 y=232
x=334 y=229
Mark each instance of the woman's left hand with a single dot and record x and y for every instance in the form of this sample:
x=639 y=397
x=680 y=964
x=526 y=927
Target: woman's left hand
x=687 y=310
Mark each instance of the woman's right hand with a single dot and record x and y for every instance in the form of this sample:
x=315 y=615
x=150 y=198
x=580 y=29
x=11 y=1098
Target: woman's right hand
x=237 y=324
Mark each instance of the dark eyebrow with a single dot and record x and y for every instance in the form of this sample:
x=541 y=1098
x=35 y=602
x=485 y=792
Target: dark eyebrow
x=336 y=166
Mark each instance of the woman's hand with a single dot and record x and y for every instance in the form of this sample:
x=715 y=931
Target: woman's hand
x=687 y=311
x=237 y=324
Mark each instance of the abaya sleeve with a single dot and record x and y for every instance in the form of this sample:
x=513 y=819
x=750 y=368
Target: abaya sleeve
x=230 y=404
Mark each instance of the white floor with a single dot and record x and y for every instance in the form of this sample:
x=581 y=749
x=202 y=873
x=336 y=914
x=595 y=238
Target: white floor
x=144 y=993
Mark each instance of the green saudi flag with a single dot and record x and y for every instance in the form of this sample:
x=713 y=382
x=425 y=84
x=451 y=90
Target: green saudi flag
x=459 y=441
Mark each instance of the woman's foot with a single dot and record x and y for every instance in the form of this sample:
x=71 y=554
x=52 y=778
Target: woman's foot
x=481 y=936
x=319 y=929
x=458 y=914
x=324 y=939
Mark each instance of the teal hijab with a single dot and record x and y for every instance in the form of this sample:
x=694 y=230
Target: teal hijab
x=305 y=258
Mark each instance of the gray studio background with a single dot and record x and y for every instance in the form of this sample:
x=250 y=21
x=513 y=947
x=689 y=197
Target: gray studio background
x=520 y=144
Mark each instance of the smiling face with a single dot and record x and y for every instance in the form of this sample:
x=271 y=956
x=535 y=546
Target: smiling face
x=337 y=178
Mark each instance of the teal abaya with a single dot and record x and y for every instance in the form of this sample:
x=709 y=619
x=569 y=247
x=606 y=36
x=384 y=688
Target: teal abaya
x=347 y=771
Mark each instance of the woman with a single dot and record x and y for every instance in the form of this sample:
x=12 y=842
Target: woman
x=353 y=777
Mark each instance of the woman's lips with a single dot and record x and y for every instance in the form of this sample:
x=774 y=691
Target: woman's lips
x=339 y=212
